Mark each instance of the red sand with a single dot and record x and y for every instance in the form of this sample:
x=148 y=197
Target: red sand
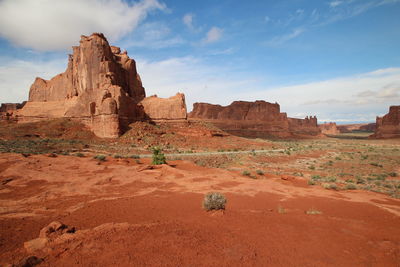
x=128 y=214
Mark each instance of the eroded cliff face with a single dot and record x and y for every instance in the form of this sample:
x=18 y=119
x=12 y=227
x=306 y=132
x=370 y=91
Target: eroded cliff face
x=100 y=87
x=165 y=109
x=254 y=119
x=388 y=126
x=329 y=128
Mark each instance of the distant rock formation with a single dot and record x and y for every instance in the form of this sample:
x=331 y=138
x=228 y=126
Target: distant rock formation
x=165 y=109
x=101 y=88
x=254 y=119
x=329 y=128
x=388 y=126
x=7 y=110
x=358 y=127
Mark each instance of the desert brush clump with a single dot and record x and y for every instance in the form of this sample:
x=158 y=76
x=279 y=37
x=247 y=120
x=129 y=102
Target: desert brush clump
x=158 y=156
x=100 y=157
x=214 y=201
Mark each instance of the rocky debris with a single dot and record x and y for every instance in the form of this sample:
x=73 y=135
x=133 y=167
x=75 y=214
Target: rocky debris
x=48 y=234
x=100 y=88
x=254 y=119
x=388 y=126
x=28 y=262
x=329 y=128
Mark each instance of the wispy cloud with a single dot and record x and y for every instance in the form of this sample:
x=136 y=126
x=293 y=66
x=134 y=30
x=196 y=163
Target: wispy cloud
x=153 y=35
x=213 y=35
x=278 y=40
x=335 y=3
x=301 y=20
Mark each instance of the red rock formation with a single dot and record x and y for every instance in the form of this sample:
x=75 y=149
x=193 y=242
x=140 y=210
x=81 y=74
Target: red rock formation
x=100 y=87
x=254 y=119
x=329 y=128
x=173 y=108
x=388 y=126
x=7 y=110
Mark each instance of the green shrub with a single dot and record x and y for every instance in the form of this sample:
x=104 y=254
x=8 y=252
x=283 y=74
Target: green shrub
x=214 y=201
x=392 y=174
x=134 y=156
x=311 y=182
x=79 y=154
x=316 y=177
x=246 y=173
x=116 y=156
x=260 y=172
x=100 y=157
x=312 y=167
x=158 y=156
x=351 y=187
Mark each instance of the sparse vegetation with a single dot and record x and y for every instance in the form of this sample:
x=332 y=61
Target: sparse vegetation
x=100 y=157
x=158 y=156
x=214 y=201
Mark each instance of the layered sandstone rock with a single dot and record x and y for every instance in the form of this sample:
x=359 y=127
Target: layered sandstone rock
x=101 y=88
x=329 y=128
x=173 y=108
x=388 y=126
x=254 y=119
x=7 y=110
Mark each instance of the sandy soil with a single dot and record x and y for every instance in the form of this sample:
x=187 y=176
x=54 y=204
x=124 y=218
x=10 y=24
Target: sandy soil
x=134 y=214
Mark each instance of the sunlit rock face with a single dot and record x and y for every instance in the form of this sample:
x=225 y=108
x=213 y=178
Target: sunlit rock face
x=100 y=87
x=388 y=126
x=254 y=119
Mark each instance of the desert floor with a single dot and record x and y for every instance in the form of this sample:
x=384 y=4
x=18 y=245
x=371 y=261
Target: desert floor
x=317 y=202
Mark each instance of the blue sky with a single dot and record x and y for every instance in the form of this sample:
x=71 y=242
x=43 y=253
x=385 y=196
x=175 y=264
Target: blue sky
x=338 y=60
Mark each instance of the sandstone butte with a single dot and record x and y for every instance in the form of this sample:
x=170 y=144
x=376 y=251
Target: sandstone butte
x=101 y=88
x=329 y=128
x=388 y=126
x=254 y=119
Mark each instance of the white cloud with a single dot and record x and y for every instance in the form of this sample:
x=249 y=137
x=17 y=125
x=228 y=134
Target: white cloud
x=345 y=99
x=335 y=3
x=339 y=99
x=278 y=40
x=153 y=35
x=213 y=35
x=188 y=20
x=56 y=25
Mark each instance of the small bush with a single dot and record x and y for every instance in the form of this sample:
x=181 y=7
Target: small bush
x=260 y=172
x=246 y=173
x=135 y=157
x=158 y=156
x=80 y=155
x=311 y=182
x=351 y=187
x=118 y=156
x=316 y=177
x=100 y=157
x=214 y=201
x=392 y=174
x=312 y=167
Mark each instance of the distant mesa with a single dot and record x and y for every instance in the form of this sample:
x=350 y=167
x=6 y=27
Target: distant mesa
x=101 y=88
x=257 y=119
x=388 y=126
x=329 y=128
